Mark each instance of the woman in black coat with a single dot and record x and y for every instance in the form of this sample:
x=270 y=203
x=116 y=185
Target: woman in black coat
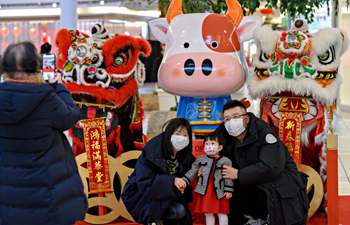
x=39 y=180
x=154 y=191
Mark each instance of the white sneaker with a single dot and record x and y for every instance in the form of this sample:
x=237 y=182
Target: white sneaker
x=253 y=221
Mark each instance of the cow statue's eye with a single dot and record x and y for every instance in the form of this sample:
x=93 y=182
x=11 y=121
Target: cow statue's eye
x=328 y=56
x=214 y=44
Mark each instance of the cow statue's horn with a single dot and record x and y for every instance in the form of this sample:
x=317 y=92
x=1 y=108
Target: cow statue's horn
x=234 y=11
x=174 y=9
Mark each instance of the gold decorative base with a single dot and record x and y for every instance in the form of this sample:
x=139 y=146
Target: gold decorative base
x=315 y=182
x=116 y=207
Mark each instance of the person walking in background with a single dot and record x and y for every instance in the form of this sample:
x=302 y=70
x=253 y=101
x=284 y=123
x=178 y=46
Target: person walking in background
x=39 y=180
x=154 y=192
x=45 y=48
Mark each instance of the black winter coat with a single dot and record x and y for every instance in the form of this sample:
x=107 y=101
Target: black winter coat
x=150 y=189
x=263 y=160
x=39 y=181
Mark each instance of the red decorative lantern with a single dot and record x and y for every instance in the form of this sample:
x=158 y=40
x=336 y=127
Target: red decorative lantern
x=266 y=11
x=4 y=31
x=16 y=31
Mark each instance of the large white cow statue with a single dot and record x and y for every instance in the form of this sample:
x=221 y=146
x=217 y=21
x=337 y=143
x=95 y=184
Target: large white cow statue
x=202 y=61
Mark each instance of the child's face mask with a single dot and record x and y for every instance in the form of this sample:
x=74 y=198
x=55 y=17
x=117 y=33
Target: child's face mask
x=212 y=148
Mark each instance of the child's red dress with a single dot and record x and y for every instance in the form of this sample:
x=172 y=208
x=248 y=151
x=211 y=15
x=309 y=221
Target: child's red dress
x=209 y=202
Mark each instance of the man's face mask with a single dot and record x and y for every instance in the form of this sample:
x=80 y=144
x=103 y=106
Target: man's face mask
x=235 y=126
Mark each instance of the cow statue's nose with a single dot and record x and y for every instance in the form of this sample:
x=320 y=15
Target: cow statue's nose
x=207 y=67
x=189 y=67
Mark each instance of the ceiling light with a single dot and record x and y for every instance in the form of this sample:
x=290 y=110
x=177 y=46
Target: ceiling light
x=54 y=5
x=102 y=2
x=100 y=10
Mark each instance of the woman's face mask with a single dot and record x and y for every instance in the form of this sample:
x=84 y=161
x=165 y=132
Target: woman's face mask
x=235 y=126
x=179 y=142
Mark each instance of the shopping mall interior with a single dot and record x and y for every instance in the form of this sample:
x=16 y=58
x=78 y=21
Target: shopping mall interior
x=40 y=21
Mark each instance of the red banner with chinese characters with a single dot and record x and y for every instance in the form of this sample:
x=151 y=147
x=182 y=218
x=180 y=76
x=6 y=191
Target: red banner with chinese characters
x=95 y=142
x=290 y=133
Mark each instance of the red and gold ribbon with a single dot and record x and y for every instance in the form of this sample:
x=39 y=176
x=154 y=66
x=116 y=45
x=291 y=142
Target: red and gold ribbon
x=290 y=133
x=95 y=142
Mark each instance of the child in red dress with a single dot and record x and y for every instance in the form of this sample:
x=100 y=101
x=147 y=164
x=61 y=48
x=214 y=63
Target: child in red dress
x=212 y=192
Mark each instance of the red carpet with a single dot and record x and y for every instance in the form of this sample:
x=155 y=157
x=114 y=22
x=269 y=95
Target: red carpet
x=344 y=215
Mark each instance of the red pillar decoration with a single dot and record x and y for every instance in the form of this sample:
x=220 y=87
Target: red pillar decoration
x=332 y=180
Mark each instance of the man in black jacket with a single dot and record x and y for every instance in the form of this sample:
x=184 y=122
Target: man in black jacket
x=268 y=187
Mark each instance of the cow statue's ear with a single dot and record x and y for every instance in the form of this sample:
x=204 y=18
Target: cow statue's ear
x=246 y=28
x=159 y=28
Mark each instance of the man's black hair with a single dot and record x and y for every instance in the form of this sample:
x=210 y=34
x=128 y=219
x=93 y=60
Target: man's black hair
x=234 y=104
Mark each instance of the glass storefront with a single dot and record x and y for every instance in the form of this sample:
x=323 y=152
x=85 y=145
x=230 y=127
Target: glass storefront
x=40 y=32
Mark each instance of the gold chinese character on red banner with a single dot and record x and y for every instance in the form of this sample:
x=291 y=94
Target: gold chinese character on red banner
x=98 y=177
x=289 y=136
x=96 y=155
x=95 y=135
x=290 y=125
x=98 y=165
x=95 y=145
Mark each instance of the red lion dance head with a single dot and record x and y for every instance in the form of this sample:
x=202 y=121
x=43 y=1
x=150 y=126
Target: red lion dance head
x=101 y=72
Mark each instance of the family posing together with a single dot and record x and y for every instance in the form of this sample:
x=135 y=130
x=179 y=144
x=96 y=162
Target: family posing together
x=245 y=177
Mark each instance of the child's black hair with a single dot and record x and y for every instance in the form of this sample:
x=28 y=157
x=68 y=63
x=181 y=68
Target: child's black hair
x=213 y=137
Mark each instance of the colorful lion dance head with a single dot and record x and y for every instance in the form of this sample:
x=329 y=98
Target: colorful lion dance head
x=102 y=73
x=298 y=62
x=296 y=77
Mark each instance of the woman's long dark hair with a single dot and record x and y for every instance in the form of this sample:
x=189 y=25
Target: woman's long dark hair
x=185 y=155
